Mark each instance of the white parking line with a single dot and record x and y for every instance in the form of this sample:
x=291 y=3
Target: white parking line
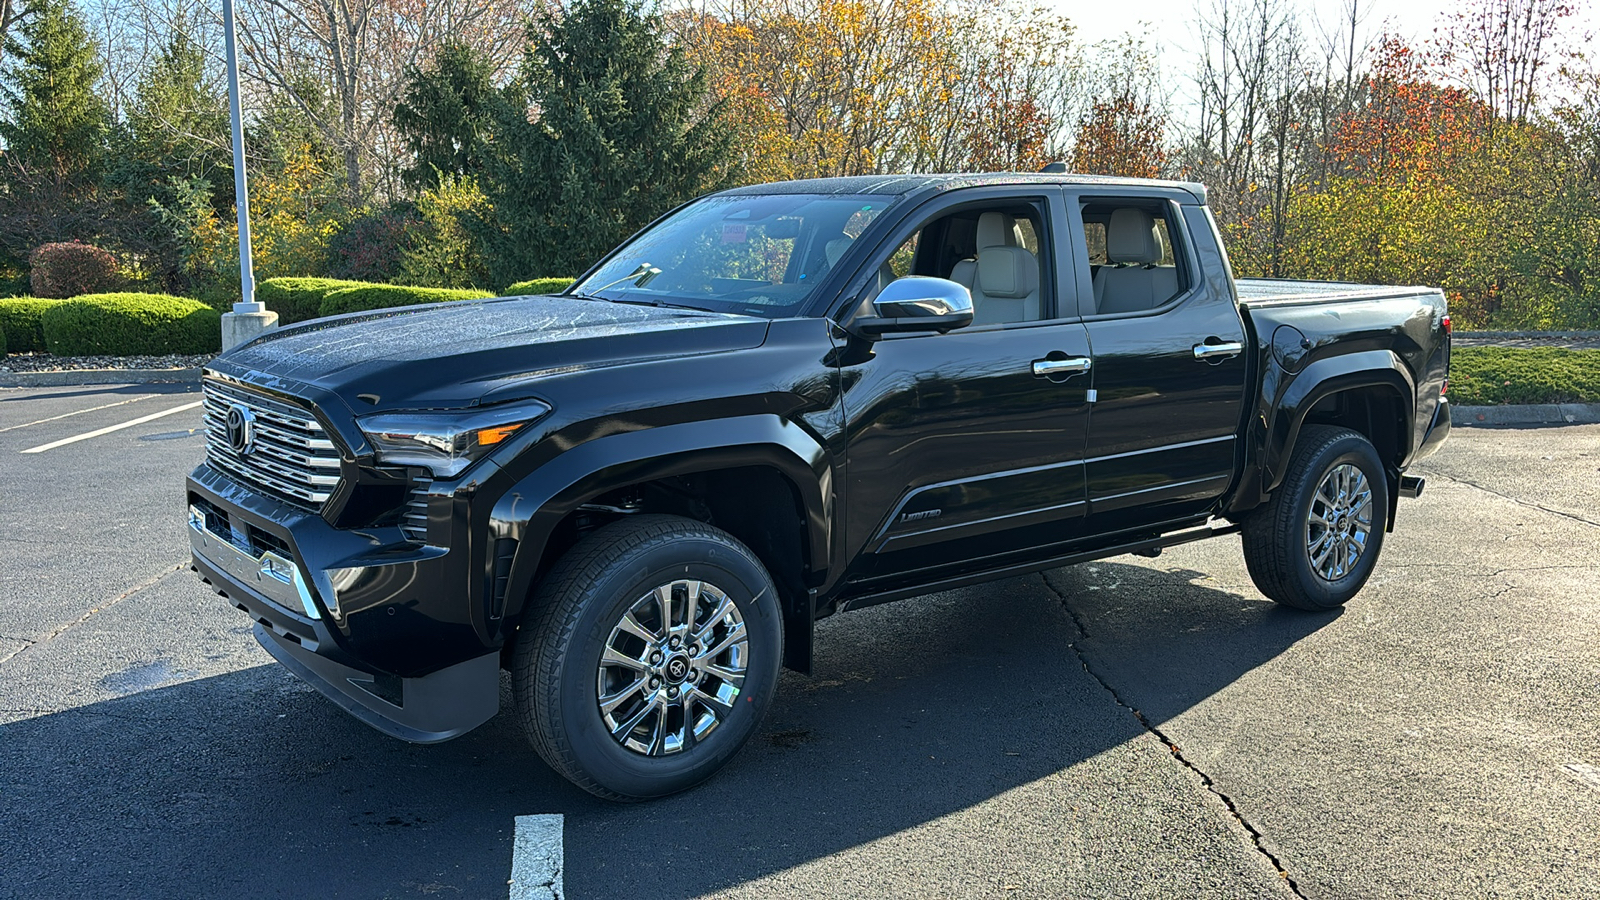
x=110 y=428
x=78 y=412
x=536 y=859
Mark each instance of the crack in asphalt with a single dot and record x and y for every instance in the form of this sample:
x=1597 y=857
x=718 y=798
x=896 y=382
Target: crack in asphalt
x=1517 y=500
x=102 y=607
x=1256 y=837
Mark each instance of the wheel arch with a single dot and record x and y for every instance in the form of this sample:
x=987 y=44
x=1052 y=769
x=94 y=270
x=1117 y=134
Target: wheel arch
x=1370 y=392
x=746 y=464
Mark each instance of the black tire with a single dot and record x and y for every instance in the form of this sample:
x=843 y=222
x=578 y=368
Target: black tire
x=556 y=668
x=1277 y=534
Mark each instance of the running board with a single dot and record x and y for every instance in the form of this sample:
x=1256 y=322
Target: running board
x=1148 y=547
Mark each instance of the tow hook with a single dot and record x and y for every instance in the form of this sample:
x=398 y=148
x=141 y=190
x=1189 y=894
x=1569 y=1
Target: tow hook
x=1411 y=487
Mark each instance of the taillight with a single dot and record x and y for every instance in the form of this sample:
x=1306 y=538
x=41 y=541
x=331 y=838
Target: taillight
x=1444 y=322
x=1446 y=389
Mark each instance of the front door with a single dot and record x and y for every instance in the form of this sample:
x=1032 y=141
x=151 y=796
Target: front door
x=966 y=449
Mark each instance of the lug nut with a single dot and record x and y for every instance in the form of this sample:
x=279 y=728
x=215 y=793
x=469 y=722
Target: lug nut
x=655 y=683
x=655 y=658
x=672 y=693
x=694 y=675
x=674 y=643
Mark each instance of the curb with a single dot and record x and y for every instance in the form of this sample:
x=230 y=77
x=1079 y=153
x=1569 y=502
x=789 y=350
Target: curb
x=74 y=377
x=1530 y=414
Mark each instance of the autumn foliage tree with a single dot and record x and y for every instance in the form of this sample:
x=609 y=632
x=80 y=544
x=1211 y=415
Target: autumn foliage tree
x=1121 y=136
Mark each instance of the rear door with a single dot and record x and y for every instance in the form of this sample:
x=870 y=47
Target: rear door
x=967 y=446
x=1170 y=373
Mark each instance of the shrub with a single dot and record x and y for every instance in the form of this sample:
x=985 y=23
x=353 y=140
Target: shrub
x=538 y=286
x=443 y=252
x=19 y=318
x=299 y=299
x=372 y=246
x=131 y=325
x=70 y=269
x=386 y=296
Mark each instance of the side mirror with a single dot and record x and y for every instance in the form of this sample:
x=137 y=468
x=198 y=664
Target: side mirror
x=917 y=303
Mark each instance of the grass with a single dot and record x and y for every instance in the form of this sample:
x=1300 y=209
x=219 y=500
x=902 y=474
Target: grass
x=1492 y=376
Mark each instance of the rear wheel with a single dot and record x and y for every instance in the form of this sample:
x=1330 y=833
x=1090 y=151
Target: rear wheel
x=1313 y=545
x=652 y=656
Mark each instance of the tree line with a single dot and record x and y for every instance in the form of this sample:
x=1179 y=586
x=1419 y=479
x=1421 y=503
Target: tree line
x=475 y=143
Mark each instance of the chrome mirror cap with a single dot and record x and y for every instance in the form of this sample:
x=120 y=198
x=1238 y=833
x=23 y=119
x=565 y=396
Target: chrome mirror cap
x=917 y=303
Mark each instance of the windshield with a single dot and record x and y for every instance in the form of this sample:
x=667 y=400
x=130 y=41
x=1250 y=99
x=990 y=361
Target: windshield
x=757 y=255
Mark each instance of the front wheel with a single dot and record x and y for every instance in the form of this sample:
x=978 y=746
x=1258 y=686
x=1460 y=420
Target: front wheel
x=1315 y=542
x=650 y=659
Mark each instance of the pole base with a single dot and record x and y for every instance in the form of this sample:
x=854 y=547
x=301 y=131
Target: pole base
x=242 y=327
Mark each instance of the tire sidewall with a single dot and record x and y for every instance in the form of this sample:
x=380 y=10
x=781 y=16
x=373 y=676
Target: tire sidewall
x=1356 y=451
x=696 y=557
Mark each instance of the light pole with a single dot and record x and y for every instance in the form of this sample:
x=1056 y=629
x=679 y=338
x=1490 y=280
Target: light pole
x=249 y=317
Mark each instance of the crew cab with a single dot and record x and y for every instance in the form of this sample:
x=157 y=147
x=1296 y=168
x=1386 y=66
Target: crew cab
x=774 y=404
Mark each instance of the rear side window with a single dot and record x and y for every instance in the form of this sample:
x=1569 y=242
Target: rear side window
x=1135 y=262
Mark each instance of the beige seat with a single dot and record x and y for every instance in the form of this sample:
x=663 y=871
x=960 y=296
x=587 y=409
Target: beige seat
x=995 y=229
x=1131 y=280
x=1004 y=278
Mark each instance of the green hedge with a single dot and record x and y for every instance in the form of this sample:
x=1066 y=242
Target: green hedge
x=538 y=286
x=386 y=296
x=131 y=325
x=19 y=318
x=299 y=299
x=1489 y=376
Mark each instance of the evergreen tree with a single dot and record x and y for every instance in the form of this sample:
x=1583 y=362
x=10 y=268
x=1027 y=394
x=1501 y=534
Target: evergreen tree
x=443 y=115
x=171 y=151
x=177 y=126
x=606 y=128
x=53 y=123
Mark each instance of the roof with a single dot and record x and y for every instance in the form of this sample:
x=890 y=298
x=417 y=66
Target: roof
x=901 y=185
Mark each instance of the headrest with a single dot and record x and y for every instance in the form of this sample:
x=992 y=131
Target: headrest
x=836 y=248
x=996 y=229
x=1008 y=272
x=1131 y=237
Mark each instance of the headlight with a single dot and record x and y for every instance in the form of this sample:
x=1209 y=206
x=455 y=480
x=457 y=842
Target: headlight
x=446 y=442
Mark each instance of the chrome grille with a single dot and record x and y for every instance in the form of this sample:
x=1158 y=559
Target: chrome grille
x=291 y=458
x=414 y=516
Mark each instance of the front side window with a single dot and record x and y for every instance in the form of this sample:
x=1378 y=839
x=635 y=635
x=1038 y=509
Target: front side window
x=754 y=254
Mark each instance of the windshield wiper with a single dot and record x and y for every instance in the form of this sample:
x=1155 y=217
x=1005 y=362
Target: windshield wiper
x=640 y=277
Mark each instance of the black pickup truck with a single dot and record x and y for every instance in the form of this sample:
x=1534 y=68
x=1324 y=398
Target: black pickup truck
x=774 y=404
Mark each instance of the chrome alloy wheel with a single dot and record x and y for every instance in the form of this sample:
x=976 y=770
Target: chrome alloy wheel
x=1340 y=522
x=672 y=668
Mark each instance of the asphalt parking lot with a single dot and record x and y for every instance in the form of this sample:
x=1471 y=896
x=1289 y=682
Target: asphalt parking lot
x=1131 y=728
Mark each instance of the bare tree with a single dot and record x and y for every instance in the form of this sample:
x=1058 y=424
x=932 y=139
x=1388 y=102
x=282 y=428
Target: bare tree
x=1503 y=50
x=357 y=53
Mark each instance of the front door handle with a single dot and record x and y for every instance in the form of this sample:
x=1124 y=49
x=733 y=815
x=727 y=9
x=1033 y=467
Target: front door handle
x=1217 y=351
x=1044 y=368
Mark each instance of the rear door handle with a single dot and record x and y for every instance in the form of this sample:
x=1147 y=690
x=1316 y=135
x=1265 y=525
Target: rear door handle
x=1044 y=368
x=1217 y=351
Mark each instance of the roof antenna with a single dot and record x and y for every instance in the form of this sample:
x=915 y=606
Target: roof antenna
x=1055 y=168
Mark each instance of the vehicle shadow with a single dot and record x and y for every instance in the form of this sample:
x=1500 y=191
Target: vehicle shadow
x=251 y=785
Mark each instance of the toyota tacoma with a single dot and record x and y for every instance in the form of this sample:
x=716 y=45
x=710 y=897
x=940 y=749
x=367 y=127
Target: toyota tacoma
x=774 y=404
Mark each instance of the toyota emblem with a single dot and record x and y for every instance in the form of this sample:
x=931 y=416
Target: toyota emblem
x=241 y=430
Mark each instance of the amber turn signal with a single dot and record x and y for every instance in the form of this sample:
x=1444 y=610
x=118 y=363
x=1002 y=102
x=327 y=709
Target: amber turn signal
x=488 y=437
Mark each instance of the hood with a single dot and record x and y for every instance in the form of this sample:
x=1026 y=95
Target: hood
x=454 y=354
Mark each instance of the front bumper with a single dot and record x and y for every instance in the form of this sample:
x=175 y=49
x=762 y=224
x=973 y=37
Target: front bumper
x=387 y=643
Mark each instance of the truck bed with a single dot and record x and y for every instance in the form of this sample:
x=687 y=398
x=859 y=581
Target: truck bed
x=1258 y=292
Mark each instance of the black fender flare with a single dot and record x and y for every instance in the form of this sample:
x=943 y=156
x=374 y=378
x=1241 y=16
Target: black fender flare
x=530 y=510
x=1320 y=379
